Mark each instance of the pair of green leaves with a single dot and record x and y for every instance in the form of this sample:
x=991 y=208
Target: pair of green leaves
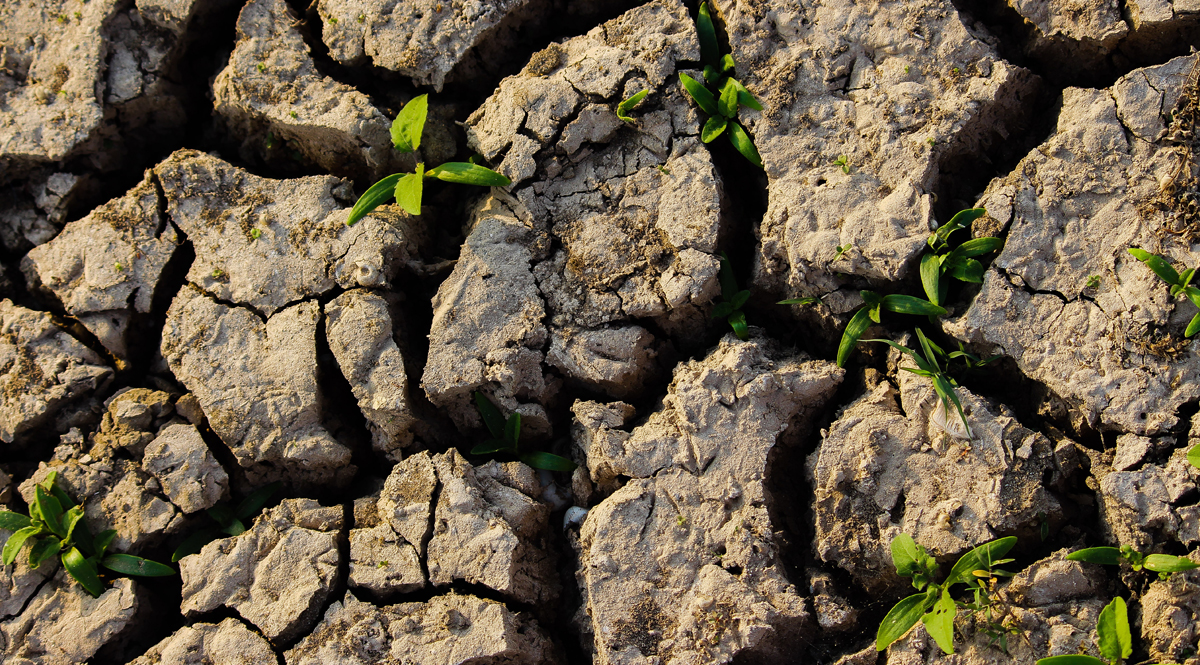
x=408 y=187
x=732 y=300
x=1115 y=640
x=506 y=438
x=929 y=367
x=873 y=304
x=723 y=107
x=1163 y=564
x=934 y=606
x=55 y=526
x=960 y=263
x=230 y=521
x=1180 y=283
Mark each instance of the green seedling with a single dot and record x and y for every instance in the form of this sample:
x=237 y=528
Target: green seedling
x=1180 y=282
x=1115 y=640
x=841 y=251
x=506 y=438
x=1193 y=455
x=255 y=233
x=407 y=187
x=843 y=162
x=55 y=526
x=628 y=105
x=943 y=262
x=119 y=266
x=1093 y=281
x=929 y=367
x=261 y=67
x=229 y=521
x=1163 y=564
x=663 y=170
x=727 y=96
x=873 y=304
x=972 y=361
x=934 y=606
x=293 y=114
x=732 y=300
x=217 y=273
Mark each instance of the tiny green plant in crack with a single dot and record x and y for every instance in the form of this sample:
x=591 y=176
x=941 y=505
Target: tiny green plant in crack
x=407 y=187
x=934 y=606
x=628 y=105
x=1163 y=564
x=730 y=95
x=55 y=526
x=873 y=305
x=1114 y=639
x=732 y=300
x=1181 y=283
x=929 y=367
x=506 y=438
x=944 y=262
x=229 y=521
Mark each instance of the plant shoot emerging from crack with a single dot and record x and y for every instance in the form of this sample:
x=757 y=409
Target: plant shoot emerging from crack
x=55 y=526
x=1163 y=564
x=929 y=367
x=407 y=187
x=506 y=438
x=1114 y=639
x=942 y=263
x=732 y=300
x=229 y=521
x=628 y=105
x=1181 y=283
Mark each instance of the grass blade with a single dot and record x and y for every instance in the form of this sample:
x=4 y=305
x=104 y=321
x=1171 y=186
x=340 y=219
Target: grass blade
x=492 y=418
x=50 y=509
x=741 y=140
x=491 y=446
x=468 y=174
x=854 y=329
x=909 y=305
x=710 y=52
x=128 y=564
x=627 y=105
x=548 y=462
x=979 y=246
x=1071 y=659
x=700 y=94
x=377 y=195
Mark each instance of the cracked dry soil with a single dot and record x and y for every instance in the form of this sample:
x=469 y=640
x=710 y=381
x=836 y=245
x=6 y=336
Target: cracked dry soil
x=185 y=318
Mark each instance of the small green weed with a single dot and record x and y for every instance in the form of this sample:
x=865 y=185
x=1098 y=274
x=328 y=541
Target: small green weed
x=934 y=606
x=730 y=96
x=929 y=367
x=843 y=162
x=407 y=188
x=229 y=521
x=873 y=305
x=841 y=251
x=255 y=234
x=55 y=525
x=119 y=266
x=506 y=435
x=943 y=262
x=628 y=105
x=217 y=273
x=1180 y=283
x=1093 y=282
x=730 y=307
x=1115 y=640
x=1163 y=564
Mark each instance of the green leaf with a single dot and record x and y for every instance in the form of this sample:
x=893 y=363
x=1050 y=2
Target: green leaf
x=909 y=305
x=939 y=622
x=83 y=571
x=377 y=195
x=1109 y=556
x=57 y=492
x=492 y=418
x=739 y=299
x=710 y=52
x=50 y=509
x=979 y=246
x=1071 y=659
x=408 y=191
x=1158 y=264
x=711 y=74
x=931 y=271
x=1193 y=455
x=492 y=446
x=969 y=270
x=43 y=549
x=255 y=500
x=925 y=369
x=1166 y=563
x=13 y=521
x=16 y=542
x=1193 y=326
x=234 y=528
x=548 y=462
x=222 y=514
x=104 y=540
x=703 y=98
x=512 y=430
x=932 y=351
x=722 y=310
x=741 y=140
x=410 y=123
x=945 y=391
x=728 y=282
x=727 y=63
x=1113 y=630
x=71 y=520
x=627 y=105
x=713 y=128
x=737 y=321
x=745 y=98
x=903 y=616
x=1193 y=294
x=800 y=301
x=854 y=329
x=980 y=558
x=468 y=174
x=904 y=554
x=194 y=543
x=727 y=104
x=128 y=564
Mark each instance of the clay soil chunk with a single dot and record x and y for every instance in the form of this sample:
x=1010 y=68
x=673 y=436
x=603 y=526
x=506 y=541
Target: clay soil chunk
x=63 y=624
x=225 y=643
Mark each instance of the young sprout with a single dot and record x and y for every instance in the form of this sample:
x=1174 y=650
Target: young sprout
x=217 y=273
x=1163 y=564
x=407 y=187
x=929 y=367
x=730 y=307
x=628 y=105
x=229 y=521
x=873 y=305
x=1180 y=283
x=119 y=266
x=261 y=67
x=1093 y=281
x=506 y=438
x=255 y=233
x=841 y=251
x=55 y=526
x=943 y=262
x=1115 y=640
x=843 y=162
